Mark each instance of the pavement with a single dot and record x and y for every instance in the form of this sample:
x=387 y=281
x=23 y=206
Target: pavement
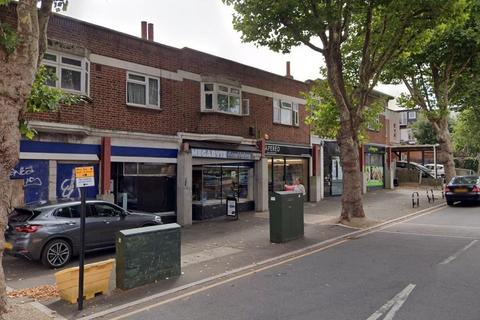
x=218 y=247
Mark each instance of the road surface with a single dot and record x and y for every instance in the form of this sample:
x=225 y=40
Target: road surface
x=424 y=268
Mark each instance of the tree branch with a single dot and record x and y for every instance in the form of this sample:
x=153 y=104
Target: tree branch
x=43 y=17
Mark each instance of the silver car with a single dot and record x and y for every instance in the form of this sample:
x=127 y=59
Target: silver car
x=50 y=232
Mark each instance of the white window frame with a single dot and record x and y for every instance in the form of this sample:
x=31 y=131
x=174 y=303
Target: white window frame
x=412 y=115
x=403 y=118
x=289 y=106
x=244 y=107
x=84 y=70
x=147 y=88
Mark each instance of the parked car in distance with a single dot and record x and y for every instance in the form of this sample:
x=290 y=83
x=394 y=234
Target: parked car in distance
x=50 y=232
x=440 y=169
x=463 y=188
x=404 y=165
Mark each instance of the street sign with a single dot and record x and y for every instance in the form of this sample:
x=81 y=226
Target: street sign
x=84 y=177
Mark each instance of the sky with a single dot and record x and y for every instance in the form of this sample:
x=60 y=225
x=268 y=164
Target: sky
x=204 y=25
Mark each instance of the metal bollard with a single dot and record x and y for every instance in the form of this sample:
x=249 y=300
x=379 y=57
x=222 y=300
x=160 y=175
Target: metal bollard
x=415 y=194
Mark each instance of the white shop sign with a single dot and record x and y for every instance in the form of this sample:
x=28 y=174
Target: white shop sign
x=224 y=154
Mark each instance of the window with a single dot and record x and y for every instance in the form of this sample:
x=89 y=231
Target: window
x=142 y=90
x=104 y=210
x=223 y=98
x=70 y=73
x=72 y=212
x=412 y=115
x=285 y=112
x=148 y=169
x=403 y=118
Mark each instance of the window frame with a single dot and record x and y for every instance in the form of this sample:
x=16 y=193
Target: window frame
x=146 y=83
x=216 y=91
x=294 y=108
x=404 y=118
x=414 y=113
x=84 y=70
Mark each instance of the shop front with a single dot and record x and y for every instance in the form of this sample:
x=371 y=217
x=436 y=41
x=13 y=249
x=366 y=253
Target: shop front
x=374 y=167
x=221 y=170
x=144 y=178
x=287 y=165
x=333 y=173
x=46 y=170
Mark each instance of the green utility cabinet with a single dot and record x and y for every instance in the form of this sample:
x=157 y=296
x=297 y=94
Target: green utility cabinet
x=286 y=216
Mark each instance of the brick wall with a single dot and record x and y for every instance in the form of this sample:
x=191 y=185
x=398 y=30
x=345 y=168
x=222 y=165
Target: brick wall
x=179 y=100
x=380 y=136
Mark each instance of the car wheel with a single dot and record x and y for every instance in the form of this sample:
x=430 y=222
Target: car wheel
x=450 y=203
x=56 y=253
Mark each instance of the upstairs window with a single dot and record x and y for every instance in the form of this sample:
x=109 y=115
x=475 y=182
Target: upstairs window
x=143 y=91
x=285 y=112
x=403 y=118
x=412 y=115
x=70 y=73
x=224 y=99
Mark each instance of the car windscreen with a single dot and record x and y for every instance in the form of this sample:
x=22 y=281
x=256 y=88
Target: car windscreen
x=465 y=180
x=22 y=215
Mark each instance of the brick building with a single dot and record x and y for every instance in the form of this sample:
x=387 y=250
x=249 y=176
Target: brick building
x=167 y=130
x=376 y=161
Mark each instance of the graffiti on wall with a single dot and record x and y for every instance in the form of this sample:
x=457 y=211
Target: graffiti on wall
x=35 y=179
x=66 y=188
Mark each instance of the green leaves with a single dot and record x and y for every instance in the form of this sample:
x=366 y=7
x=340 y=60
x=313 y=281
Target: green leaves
x=45 y=99
x=324 y=115
x=465 y=133
x=8 y=38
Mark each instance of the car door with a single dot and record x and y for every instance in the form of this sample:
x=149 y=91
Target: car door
x=69 y=217
x=111 y=218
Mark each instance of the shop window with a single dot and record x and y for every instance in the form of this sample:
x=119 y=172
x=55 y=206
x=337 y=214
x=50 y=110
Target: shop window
x=68 y=72
x=285 y=171
x=148 y=169
x=212 y=184
x=143 y=91
x=224 y=99
x=149 y=187
x=285 y=112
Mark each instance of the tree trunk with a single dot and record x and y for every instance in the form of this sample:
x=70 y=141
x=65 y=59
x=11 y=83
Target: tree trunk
x=18 y=74
x=347 y=139
x=445 y=154
x=352 y=205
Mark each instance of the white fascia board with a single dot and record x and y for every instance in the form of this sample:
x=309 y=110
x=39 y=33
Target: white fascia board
x=273 y=95
x=58 y=156
x=125 y=138
x=142 y=159
x=215 y=138
x=135 y=67
x=144 y=143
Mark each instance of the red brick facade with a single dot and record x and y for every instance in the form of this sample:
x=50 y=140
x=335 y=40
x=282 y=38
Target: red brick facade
x=179 y=100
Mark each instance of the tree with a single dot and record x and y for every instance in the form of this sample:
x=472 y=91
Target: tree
x=441 y=73
x=357 y=39
x=21 y=50
x=324 y=116
x=423 y=130
x=465 y=133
